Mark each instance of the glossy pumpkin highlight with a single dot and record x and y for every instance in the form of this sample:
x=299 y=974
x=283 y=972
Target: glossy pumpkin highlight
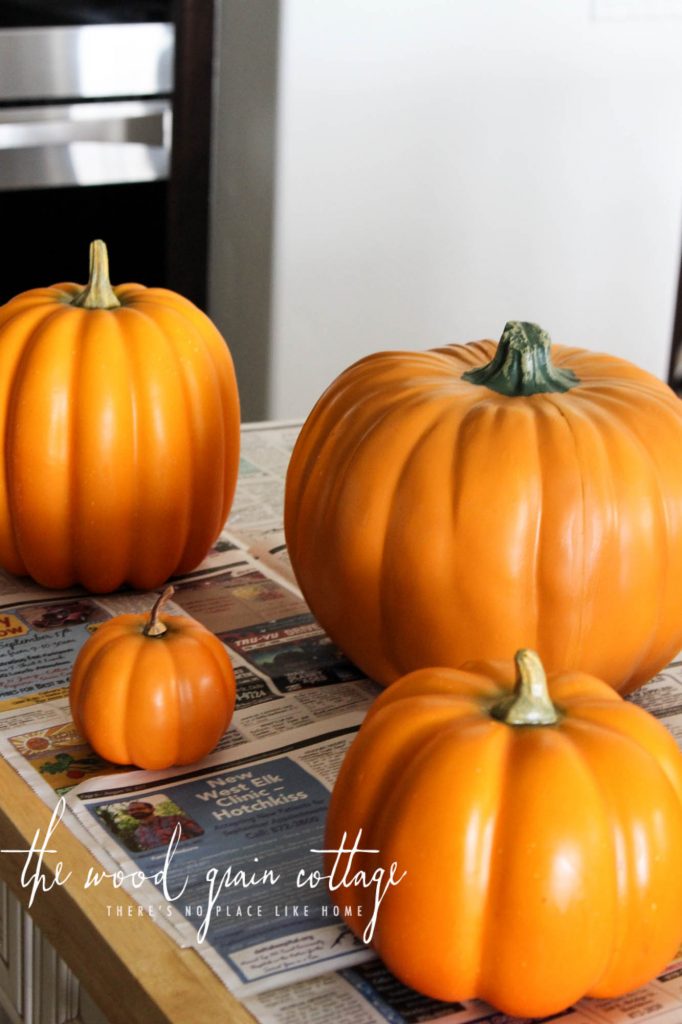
x=442 y=504
x=152 y=690
x=119 y=434
x=541 y=838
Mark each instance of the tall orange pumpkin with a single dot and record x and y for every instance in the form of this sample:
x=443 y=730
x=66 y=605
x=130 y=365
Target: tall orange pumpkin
x=441 y=505
x=537 y=837
x=119 y=433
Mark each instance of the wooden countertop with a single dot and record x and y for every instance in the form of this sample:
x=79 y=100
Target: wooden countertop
x=132 y=969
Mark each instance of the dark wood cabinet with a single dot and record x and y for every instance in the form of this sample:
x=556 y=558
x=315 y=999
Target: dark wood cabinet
x=189 y=183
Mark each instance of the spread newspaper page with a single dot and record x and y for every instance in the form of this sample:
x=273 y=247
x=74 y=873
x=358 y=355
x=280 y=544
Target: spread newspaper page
x=225 y=855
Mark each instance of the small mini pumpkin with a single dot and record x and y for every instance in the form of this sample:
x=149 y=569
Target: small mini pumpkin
x=119 y=433
x=441 y=504
x=152 y=690
x=541 y=836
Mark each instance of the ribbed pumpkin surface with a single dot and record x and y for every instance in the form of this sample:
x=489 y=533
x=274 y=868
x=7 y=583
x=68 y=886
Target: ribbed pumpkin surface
x=431 y=520
x=119 y=437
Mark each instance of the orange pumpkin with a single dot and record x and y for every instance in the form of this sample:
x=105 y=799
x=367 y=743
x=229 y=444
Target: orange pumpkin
x=541 y=838
x=152 y=690
x=442 y=504
x=119 y=433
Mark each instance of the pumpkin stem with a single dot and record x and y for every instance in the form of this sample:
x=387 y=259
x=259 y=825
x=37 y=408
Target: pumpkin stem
x=98 y=293
x=154 y=627
x=522 y=364
x=530 y=703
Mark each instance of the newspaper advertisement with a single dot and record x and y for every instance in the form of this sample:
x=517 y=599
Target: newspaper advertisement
x=243 y=873
x=223 y=854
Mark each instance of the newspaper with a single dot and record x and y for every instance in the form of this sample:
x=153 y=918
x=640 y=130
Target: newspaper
x=239 y=874
x=256 y=520
x=224 y=854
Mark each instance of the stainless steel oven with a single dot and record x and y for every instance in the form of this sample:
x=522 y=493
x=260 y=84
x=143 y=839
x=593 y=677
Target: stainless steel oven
x=86 y=127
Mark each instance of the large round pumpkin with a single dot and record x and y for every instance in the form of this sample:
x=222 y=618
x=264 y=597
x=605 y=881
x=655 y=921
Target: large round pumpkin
x=119 y=433
x=441 y=505
x=539 y=834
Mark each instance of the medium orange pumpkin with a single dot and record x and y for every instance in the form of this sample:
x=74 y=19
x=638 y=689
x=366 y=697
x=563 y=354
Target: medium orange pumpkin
x=541 y=837
x=152 y=690
x=119 y=433
x=442 y=504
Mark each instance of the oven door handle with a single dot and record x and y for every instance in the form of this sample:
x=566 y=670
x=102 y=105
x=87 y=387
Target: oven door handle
x=137 y=121
x=105 y=143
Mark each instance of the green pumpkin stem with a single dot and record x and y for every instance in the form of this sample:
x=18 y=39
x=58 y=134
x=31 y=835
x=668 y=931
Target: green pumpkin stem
x=530 y=703
x=98 y=293
x=522 y=364
x=154 y=626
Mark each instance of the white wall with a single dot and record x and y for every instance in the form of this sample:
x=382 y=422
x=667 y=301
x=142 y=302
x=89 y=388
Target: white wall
x=445 y=165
